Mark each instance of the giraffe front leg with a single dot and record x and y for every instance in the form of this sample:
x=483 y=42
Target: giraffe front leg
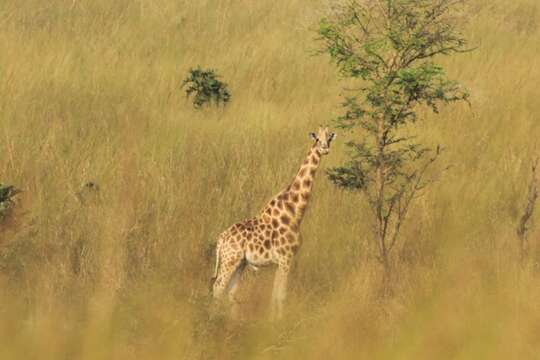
x=279 y=292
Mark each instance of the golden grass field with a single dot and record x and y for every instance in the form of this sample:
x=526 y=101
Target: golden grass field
x=89 y=91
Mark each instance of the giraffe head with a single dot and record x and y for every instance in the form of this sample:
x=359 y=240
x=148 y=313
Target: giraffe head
x=322 y=139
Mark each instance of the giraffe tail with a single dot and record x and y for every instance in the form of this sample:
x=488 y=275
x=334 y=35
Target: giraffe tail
x=216 y=267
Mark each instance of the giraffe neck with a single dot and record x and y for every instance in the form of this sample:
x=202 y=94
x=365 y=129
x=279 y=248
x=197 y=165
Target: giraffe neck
x=295 y=198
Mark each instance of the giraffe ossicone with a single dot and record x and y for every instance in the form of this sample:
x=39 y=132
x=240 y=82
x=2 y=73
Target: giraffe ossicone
x=273 y=236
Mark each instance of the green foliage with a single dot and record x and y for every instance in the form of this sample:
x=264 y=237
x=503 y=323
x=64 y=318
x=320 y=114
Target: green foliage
x=7 y=193
x=206 y=88
x=389 y=48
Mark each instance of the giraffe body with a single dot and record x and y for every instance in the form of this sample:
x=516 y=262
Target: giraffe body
x=272 y=237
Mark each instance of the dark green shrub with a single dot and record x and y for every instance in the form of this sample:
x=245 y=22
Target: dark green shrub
x=7 y=193
x=206 y=88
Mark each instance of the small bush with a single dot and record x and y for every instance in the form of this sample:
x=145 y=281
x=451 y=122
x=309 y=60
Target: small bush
x=206 y=87
x=7 y=193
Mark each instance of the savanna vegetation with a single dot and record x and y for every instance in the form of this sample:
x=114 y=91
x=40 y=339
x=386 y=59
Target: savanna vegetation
x=107 y=252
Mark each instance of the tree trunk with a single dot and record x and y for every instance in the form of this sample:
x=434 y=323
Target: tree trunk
x=383 y=251
x=532 y=195
x=387 y=276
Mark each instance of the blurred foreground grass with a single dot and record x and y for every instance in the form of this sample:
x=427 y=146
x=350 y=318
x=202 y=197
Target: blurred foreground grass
x=89 y=91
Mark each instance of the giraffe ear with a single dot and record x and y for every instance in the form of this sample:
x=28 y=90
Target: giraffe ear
x=332 y=137
x=313 y=136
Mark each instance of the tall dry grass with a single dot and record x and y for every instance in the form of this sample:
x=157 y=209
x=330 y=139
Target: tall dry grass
x=89 y=91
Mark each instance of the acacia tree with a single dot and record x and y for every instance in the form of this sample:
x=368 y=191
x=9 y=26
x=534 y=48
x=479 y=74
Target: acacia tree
x=388 y=48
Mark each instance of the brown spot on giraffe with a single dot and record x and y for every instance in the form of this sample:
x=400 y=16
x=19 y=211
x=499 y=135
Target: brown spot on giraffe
x=290 y=237
x=290 y=208
x=285 y=219
x=307 y=183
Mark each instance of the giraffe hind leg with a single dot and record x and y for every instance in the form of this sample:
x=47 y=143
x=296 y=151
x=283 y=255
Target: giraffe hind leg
x=233 y=288
x=235 y=278
x=229 y=263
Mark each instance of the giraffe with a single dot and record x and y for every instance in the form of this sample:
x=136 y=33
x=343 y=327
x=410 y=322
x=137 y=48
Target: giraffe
x=273 y=236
